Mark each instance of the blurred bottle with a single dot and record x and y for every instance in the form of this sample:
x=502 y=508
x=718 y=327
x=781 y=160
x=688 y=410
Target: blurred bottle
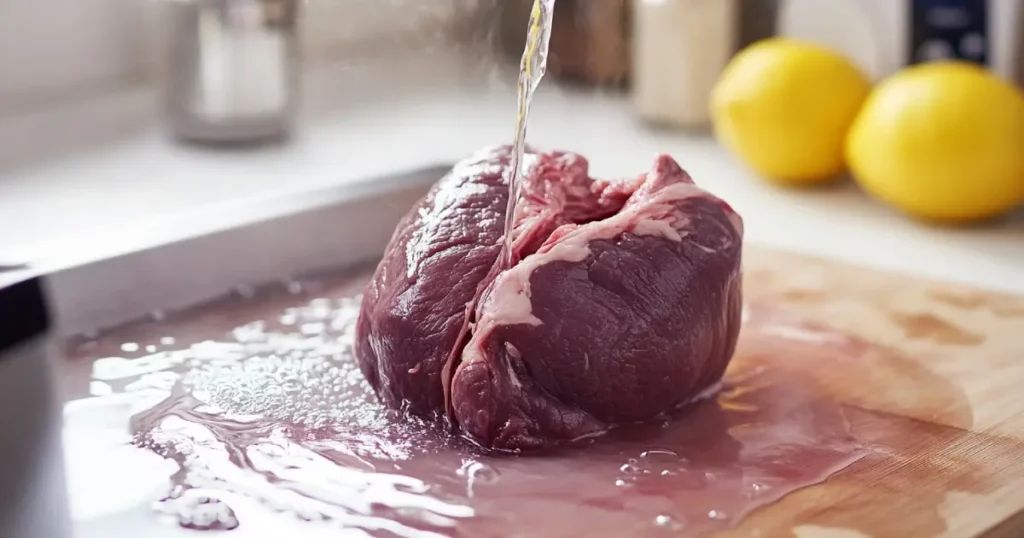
x=757 y=20
x=1020 y=48
x=230 y=69
x=589 y=38
x=883 y=36
x=680 y=47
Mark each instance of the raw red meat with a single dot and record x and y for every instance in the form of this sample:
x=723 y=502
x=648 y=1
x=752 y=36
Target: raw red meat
x=623 y=301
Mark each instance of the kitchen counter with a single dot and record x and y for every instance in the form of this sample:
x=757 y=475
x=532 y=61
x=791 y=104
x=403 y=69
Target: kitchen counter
x=46 y=208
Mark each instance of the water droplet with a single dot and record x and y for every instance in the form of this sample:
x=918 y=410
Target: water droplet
x=756 y=489
x=167 y=341
x=668 y=522
x=150 y=349
x=621 y=483
x=668 y=472
x=629 y=468
x=717 y=515
x=129 y=347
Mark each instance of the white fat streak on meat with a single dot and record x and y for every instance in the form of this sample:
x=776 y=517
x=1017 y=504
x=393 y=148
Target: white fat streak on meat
x=651 y=211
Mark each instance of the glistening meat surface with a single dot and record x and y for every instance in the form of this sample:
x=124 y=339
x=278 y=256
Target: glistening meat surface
x=622 y=302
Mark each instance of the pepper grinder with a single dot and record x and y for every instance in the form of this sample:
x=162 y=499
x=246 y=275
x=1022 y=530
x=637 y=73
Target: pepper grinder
x=230 y=69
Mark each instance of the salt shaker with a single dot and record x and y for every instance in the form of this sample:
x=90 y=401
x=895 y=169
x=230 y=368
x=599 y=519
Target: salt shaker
x=230 y=68
x=680 y=47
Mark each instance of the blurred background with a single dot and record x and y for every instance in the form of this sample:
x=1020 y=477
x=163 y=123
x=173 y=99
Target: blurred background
x=112 y=111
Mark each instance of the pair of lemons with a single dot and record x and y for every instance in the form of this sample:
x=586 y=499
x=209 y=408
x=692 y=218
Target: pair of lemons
x=941 y=141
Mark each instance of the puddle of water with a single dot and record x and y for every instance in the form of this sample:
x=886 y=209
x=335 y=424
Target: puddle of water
x=253 y=413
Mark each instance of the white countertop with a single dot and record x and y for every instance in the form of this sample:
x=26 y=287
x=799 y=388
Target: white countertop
x=148 y=176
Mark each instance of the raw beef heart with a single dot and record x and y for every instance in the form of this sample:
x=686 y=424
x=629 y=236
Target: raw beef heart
x=623 y=301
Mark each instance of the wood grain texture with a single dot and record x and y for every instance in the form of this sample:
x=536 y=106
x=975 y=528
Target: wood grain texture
x=944 y=396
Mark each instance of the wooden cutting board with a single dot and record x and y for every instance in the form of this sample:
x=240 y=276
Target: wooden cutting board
x=954 y=399
x=943 y=397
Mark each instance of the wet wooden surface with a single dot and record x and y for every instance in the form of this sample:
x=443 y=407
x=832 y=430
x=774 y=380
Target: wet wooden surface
x=954 y=403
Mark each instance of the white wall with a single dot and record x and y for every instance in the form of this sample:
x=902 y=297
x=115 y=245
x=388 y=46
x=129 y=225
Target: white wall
x=51 y=46
x=61 y=49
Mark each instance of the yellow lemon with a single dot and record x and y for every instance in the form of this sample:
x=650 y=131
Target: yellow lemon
x=941 y=141
x=784 y=106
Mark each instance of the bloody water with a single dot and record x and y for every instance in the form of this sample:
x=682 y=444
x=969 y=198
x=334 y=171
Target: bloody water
x=262 y=418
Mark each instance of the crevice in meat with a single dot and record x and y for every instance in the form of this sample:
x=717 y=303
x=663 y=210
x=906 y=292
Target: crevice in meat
x=622 y=302
x=557 y=193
